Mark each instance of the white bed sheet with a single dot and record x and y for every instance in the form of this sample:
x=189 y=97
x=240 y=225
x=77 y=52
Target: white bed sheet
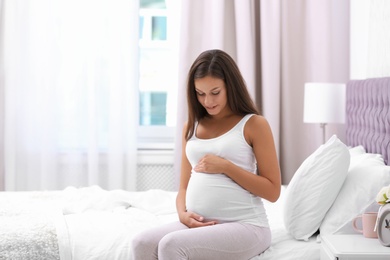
x=283 y=245
x=99 y=224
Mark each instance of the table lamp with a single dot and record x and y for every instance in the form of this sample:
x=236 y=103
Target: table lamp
x=324 y=103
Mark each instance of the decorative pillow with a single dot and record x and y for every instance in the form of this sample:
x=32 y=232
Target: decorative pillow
x=366 y=176
x=314 y=187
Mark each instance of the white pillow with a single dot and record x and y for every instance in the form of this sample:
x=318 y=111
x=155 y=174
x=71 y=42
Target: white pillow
x=314 y=187
x=353 y=151
x=366 y=176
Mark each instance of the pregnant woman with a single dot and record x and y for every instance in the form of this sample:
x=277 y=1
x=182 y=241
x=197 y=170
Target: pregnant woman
x=229 y=164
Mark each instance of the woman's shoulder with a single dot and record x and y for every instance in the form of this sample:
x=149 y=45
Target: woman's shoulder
x=257 y=121
x=256 y=125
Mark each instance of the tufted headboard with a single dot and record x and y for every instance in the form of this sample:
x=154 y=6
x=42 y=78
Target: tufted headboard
x=368 y=115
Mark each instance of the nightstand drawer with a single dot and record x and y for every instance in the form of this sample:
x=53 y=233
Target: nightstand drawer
x=352 y=247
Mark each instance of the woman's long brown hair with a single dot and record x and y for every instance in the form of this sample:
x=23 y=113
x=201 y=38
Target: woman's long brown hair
x=218 y=64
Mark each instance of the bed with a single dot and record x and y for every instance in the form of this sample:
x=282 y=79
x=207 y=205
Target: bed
x=340 y=180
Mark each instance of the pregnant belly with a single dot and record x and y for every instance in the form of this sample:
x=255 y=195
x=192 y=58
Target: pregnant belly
x=217 y=197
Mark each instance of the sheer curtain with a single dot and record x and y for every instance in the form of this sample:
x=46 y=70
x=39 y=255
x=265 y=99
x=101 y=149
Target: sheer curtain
x=278 y=45
x=69 y=74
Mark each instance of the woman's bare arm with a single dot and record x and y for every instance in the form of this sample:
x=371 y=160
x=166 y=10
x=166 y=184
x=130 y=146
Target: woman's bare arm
x=190 y=219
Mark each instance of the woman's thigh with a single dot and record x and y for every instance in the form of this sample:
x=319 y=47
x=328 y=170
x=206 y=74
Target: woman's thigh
x=145 y=244
x=222 y=241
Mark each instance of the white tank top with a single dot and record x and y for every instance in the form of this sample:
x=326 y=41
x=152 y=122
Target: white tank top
x=216 y=196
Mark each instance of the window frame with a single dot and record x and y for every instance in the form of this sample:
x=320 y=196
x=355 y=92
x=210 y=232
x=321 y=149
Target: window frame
x=158 y=137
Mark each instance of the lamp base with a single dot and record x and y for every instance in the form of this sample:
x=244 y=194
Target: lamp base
x=323 y=125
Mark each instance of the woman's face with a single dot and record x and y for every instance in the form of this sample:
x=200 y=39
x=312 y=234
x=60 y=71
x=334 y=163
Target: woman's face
x=211 y=93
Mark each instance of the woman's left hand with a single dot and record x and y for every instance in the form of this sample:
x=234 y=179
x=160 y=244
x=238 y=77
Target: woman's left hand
x=210 y=164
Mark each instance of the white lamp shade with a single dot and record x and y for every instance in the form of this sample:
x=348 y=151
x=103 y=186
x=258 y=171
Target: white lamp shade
x=324 y=103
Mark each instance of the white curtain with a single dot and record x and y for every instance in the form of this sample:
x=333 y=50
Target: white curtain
x=70 y=111
x=279 y=45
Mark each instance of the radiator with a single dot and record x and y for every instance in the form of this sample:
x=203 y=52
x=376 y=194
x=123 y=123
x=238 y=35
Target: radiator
x=155 y=170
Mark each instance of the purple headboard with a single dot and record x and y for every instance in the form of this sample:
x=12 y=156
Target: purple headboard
x=368 y=115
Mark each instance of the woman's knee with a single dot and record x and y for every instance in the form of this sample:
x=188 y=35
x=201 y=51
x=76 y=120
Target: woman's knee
x=139 y=242
x=144 y=248
x=170 y=247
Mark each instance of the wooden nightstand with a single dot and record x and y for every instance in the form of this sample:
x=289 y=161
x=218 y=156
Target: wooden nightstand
x=351 y=247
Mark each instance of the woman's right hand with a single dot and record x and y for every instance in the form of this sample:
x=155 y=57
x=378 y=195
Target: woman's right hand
x=193 y=220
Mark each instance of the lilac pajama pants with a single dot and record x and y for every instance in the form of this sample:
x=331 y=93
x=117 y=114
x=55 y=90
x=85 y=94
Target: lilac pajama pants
x=175 y=241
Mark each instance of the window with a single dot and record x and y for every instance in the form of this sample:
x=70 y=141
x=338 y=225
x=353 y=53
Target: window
x=158 y=73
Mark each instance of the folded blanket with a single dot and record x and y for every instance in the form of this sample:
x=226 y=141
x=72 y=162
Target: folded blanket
x=27 y=229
